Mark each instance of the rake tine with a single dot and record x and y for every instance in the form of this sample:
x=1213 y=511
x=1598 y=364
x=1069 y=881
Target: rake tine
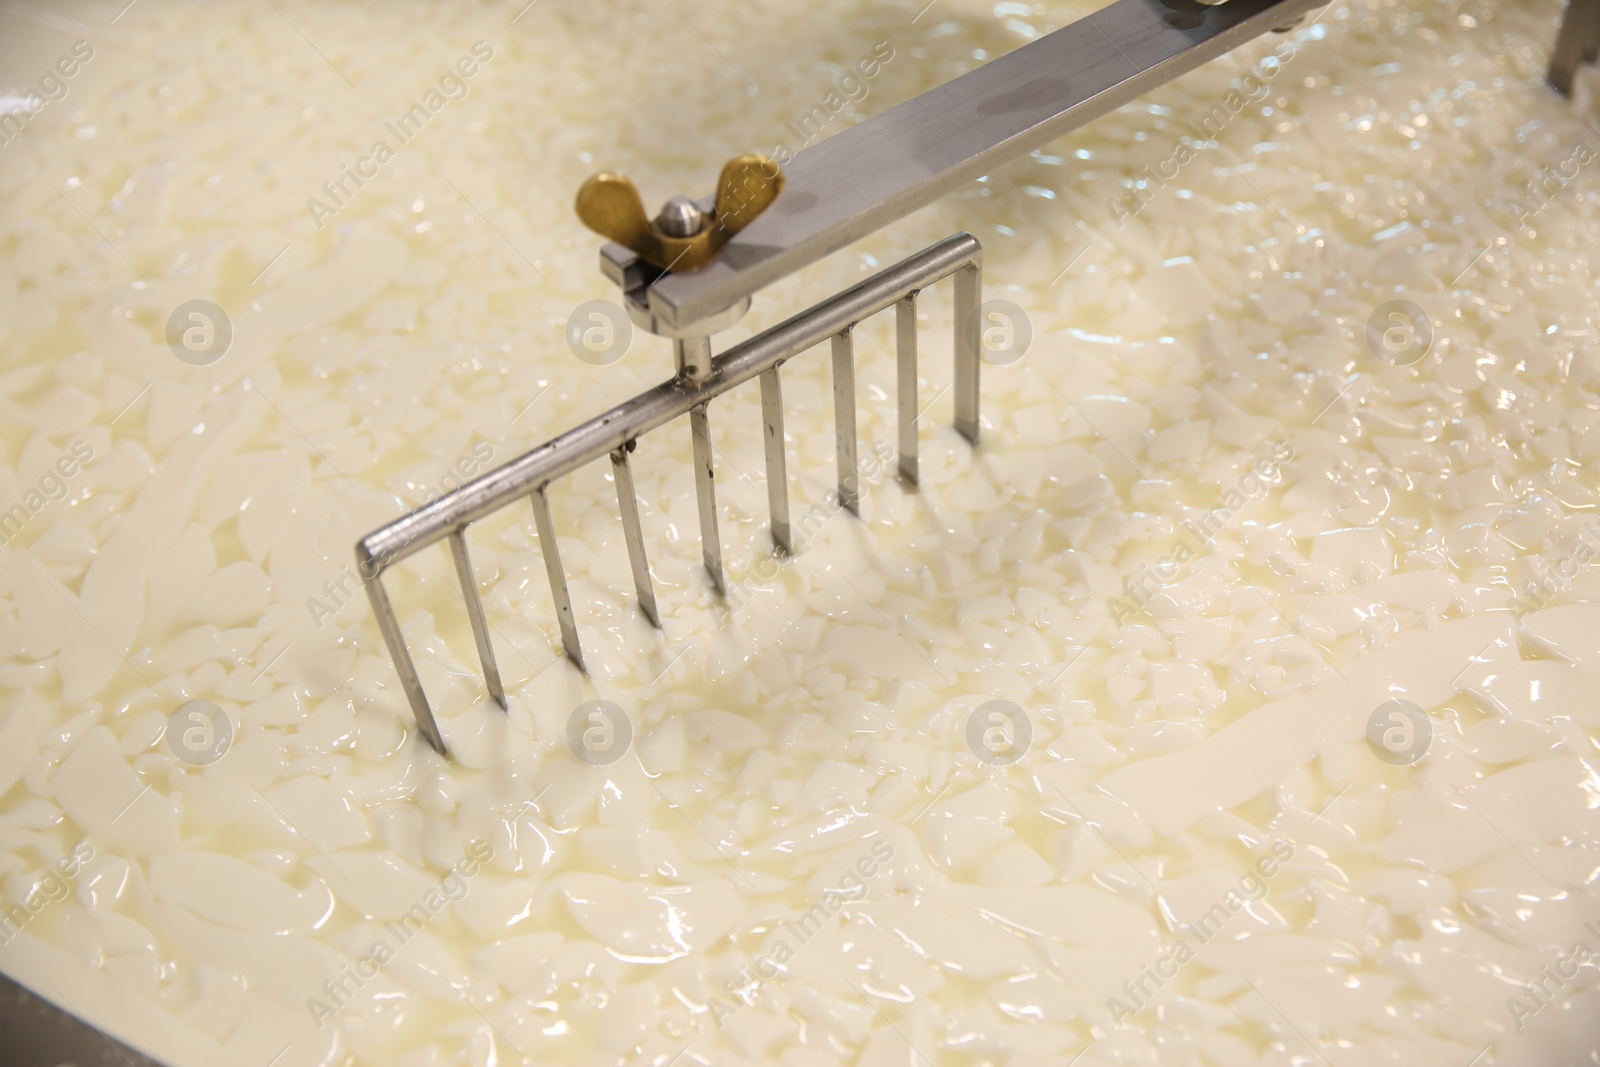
x=969 y=290
x=905 y=335
x=844 y=418
x=706 y=490
x=628 y=504
x=557 y=576
x=777 y=462
x=395 y=638
x=480 y=624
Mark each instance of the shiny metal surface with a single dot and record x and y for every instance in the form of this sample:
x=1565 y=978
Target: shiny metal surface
x=969 y=295
x=777 y=459
x=693 y=357
x=530 y=474
x=905 y=346
x=858 y=181
x=650 y=322
x=844 y=420
x=480 y=624
x=680 y=217
x=395 y=638
x=705 y=490
x=557 y=575
x=37 y=1033
x=633 y=531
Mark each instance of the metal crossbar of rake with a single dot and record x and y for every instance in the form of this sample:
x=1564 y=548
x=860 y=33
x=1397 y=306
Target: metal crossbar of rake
x=616 y=432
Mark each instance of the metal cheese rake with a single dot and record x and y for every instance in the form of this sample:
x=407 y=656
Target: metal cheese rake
x=839 y=190
x=618 y=431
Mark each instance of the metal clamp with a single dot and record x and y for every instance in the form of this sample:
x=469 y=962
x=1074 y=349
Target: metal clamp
x=683 y=236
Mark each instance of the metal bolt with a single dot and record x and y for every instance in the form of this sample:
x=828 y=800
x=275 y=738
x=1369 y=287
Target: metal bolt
x=680 y=218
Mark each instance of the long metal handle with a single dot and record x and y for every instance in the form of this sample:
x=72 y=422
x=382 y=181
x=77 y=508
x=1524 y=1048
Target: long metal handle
x=860 y=180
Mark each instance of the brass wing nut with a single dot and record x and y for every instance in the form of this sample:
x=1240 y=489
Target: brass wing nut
x=681 y=237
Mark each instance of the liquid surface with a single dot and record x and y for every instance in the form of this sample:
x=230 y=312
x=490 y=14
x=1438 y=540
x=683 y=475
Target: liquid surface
x=1284 y=588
